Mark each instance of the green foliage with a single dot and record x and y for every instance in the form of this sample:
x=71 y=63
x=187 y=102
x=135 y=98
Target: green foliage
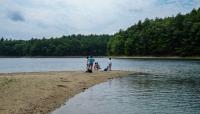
x=171 y=36
x=74 y=45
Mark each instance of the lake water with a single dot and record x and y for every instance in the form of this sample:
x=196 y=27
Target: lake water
x=70 y=64
x=172 y=87
x=141 y=94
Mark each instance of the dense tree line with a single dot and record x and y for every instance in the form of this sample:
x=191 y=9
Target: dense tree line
x=171 y=36
x=73 y=45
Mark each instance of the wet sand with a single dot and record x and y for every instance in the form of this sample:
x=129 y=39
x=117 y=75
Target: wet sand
x=43 y=92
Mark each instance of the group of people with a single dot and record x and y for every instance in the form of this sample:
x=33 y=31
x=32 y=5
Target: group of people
x=91 y=64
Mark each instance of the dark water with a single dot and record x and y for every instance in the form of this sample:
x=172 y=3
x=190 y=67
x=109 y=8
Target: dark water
x=173 y=87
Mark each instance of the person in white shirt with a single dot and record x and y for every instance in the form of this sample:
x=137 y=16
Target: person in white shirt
x=109 y=64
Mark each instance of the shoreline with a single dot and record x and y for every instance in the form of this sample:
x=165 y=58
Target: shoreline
x=114 y=57
x=154 y=57
x=49 y=56
x=43 y=92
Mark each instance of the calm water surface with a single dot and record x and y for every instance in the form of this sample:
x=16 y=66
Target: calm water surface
x=69 y=64
x=141 y=94
x=172 y=87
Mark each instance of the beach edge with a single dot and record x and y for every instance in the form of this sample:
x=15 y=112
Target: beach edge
x=43 y=92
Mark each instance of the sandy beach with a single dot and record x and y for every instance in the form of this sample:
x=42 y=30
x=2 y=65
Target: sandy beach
x=41 y=93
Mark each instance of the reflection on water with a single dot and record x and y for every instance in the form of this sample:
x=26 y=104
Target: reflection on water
x=140 y=94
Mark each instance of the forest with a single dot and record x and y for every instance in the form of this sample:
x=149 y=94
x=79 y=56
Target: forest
x=73 y=45
x=171 y=36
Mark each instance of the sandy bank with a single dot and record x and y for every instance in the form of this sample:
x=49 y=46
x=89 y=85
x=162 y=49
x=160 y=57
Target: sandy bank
x=36 y=93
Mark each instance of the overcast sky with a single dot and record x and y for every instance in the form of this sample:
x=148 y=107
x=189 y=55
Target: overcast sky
x=24 y=19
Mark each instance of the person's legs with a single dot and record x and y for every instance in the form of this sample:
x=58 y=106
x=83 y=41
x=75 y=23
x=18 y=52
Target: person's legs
x=95 y=67
x=91 y=66
x=87 y=67
x=109 y=67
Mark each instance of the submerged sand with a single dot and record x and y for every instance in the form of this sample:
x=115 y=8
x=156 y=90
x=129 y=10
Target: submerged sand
x=40 y=93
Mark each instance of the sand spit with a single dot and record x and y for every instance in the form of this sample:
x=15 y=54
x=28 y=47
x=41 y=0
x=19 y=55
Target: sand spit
x=40 y=93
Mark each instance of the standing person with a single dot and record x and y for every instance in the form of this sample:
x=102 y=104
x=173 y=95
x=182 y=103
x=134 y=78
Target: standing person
x=109 y=64
x=91 y=62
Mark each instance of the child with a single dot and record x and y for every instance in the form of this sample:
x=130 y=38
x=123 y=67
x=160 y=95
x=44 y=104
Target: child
x=96 y=66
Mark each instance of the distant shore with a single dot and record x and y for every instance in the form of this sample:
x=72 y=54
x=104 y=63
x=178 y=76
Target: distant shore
x=115 y=57
x=49 y=56
x=154 y=57
x=43 y=92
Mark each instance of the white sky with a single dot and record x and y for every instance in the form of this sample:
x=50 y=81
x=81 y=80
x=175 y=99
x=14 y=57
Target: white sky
x=24 y=19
